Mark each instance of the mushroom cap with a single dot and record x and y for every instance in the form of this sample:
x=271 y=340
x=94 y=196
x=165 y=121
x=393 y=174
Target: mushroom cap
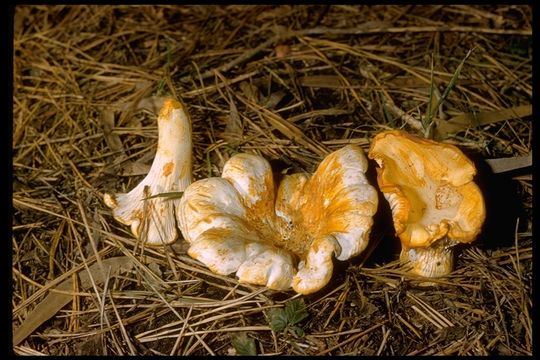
x=285 y=236
x=430 y=188
x=153 y=219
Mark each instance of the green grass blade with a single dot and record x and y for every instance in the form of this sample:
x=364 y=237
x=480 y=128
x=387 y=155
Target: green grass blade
x=168 y=195
x=429 y=115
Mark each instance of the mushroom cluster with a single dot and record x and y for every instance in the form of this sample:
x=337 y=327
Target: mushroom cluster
x=240 y=223
x=285 y=234
x=435 y=203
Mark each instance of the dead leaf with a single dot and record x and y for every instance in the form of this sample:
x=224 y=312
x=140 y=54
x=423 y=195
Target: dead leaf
x=250 y=91
x=321 y=112
x=136 y=168
x=465 y=121
x=150 y=103
x=322 y=81
x=509 y=163
x=234 y=127
x=272 y=100
x=154 y=267
x=54 y=301
x=282 y=51
x=113 y=140
x=141 y=102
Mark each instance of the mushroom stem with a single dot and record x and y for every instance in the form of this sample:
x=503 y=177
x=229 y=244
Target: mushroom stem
x=432 y=261
x=153 y=220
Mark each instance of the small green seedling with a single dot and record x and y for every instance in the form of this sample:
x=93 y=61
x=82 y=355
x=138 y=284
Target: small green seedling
x=243 y=344
x=285 y=320
x=162 y=82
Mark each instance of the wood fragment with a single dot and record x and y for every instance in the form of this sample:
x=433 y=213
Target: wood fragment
x=470 y=120
x=508 y=164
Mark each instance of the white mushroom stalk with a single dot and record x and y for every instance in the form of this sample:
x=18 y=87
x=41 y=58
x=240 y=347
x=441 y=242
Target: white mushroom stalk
x=239 y=223
x=146 y=208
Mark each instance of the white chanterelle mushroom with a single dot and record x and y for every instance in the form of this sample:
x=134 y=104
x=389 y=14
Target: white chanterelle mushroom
x=435 y=202
x=240 y=223
x=153 y=220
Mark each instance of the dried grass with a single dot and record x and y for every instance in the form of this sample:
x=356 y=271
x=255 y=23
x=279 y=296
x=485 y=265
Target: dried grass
x=291 y=83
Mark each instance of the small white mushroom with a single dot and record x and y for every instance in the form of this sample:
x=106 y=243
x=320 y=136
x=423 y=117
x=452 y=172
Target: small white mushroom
x=240 y=223
x=153 y=220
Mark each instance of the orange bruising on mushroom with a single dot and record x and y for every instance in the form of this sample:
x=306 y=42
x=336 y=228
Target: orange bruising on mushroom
x=259 y=197
x=259 y=200
x=169 y=105
x=317 y=206
x=325 y=204
x=168 y=168
x=260 y=212
x=342 y=200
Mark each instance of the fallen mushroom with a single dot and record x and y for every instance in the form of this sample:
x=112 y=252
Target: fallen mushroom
x=239 y=223
x=435 y=203
x=146 y=208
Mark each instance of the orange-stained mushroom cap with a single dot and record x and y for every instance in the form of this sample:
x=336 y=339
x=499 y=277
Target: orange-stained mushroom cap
x=435 y=203
x=285 y=237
